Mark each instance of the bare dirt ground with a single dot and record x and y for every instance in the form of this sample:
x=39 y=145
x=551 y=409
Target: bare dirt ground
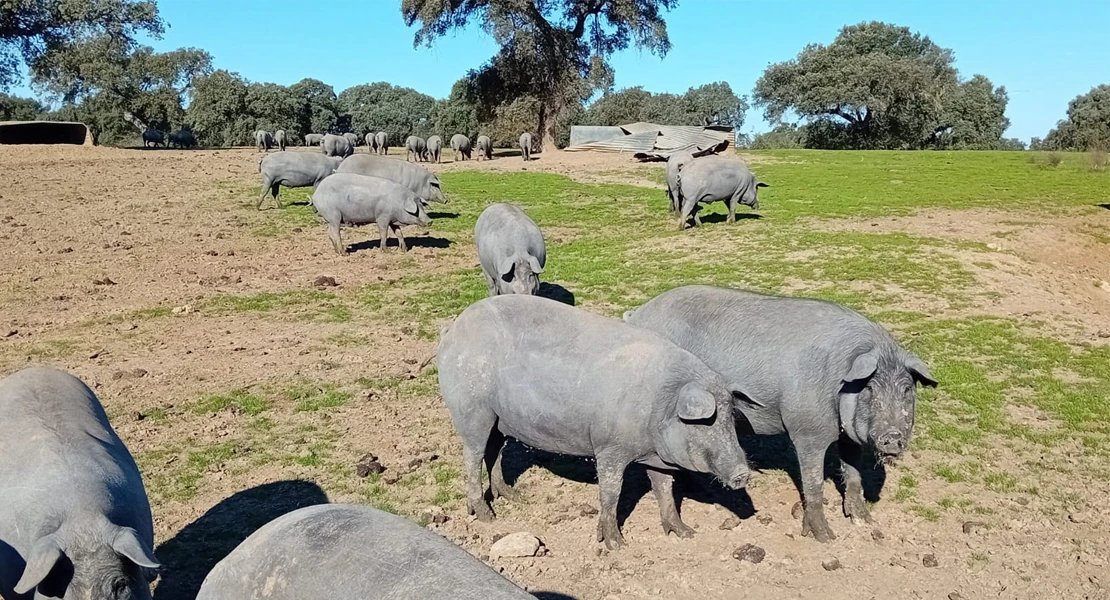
x=99 y=244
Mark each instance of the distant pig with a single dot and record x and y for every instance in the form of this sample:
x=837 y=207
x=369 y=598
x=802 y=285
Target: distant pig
x=416 y=147
x=352 y=139
x=74 y=517
x=349 y=552
x=336 y=145
x=713 y=178
x=485 y=147
x=526 y=146
x=347 y=198
x=460 y=144
x=675 y=162
x=313 y=139
x=564 y=380
x=822 y=373
x=371 y=142
x=435 y=148
x=382 y=141
x=263 y=140
x=419 y=180
x=279 y=139
x=510 y=249
x=153 y=137
x=294 y=169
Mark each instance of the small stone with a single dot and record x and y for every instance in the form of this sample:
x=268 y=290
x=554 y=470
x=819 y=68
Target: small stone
x=105 y=281
x=182 y=310
x=297 y=230
x=955 y=596
x=94 y=355
x=750 y=553
x=587 y=510
x=324 y=281
x=515 y=545
x=139 y=416
x=1022 y=500
x=970 y=527
x=212 y=253
x=764 y=519
x=930 y=561
x=730 y=523
x=65 y=250
x=797 y=510
x=435 y=515
x=1077 y=518
x=11 y=332
x=877 y=535
x=368 y=465
x=557 y=518
x=830 y=564
x=138 y=373
x=391 y=478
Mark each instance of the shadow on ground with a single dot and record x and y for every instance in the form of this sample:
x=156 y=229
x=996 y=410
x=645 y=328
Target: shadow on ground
x=190 y=555
x=556 y=292
x=413 y=242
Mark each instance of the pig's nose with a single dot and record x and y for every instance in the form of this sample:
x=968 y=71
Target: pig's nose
x=738 y=481
x=892 y=443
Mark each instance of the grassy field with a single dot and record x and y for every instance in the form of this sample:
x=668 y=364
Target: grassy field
x=309 y=379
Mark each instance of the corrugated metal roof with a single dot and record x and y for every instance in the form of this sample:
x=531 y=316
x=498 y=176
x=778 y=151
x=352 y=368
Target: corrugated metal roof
x=582 y=134
x=640 y=142
x=651 y=140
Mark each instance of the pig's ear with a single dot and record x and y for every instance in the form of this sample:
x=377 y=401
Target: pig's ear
x=506 y=266
x=863 y=367
x=128 y=545
x=412 y=205
x=920 y=371
x=760 y=184
x=695 y=403
x=44 y=555
x=534 y=264
x=742 y=398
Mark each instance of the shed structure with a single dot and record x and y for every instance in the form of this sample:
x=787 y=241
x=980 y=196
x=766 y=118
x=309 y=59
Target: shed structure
x=651 y=141
x=45 y=132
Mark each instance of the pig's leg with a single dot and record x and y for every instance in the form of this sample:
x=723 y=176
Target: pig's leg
x=492 y=285
x=495 y=451
x=479 y=426
x=400 y=237
x=610 y=478
x=383 y=233
x=336 y=238
x=732 y=202
x=662 y=484
x=811 y=460
x=850 y=462
x=266 y=184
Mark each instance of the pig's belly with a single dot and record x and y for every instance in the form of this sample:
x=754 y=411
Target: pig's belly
x=551 y=422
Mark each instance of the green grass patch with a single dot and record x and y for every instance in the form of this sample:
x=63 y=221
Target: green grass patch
x=240 y=400
x=311 y=305
x=310 y=398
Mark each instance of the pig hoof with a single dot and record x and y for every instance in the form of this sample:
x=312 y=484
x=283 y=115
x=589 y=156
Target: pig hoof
x=817 y=528
x=481 y=510
x=614 y=543
x=610 y=536
x=507 y=493
x=680 y=529
x=858 y=514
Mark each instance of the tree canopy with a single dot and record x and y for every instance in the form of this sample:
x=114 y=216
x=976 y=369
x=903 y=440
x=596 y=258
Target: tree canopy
x=713 y=102
x=37 y=32
x=882 y=86
x=555 y=52
x=1087 y=126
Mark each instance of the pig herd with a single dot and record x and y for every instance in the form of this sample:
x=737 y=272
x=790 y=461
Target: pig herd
x=669 y=386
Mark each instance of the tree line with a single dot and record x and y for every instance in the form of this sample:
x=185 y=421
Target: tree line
x=875 y=86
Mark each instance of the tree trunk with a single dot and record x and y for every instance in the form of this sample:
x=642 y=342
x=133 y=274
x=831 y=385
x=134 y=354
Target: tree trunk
x=549 y=118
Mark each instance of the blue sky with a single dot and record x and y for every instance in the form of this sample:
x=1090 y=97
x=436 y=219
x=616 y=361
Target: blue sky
x=1045 y=53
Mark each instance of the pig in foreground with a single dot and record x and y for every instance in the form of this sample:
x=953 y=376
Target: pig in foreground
x=435 y=148
x=336 y=145
x=351 y=199
x=74 y=517
x=460 y=144
x=263 y=140
x=419 y=180
x=485 y=147
x=351 y=552
x=822 y=374
x=416 y=147
x=153 y=137
x=510 y=249
x=351 y=138
x=279 y=139
x=675 y=162
x=294 y=169
x=382 y=141
x=713 y=178
x=526 y=146
x=313 y=139
x=560 y=379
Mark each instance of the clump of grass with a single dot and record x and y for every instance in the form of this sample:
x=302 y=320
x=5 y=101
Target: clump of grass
x=949 y=473
x=308 y=398
x=1099 y=159
x=907 y=488
x=1000 y=482
x=1053 y=159
x=240 y=400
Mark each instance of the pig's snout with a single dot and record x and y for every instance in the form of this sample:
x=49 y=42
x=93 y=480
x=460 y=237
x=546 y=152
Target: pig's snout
x=891 y=443
x=738 y=480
